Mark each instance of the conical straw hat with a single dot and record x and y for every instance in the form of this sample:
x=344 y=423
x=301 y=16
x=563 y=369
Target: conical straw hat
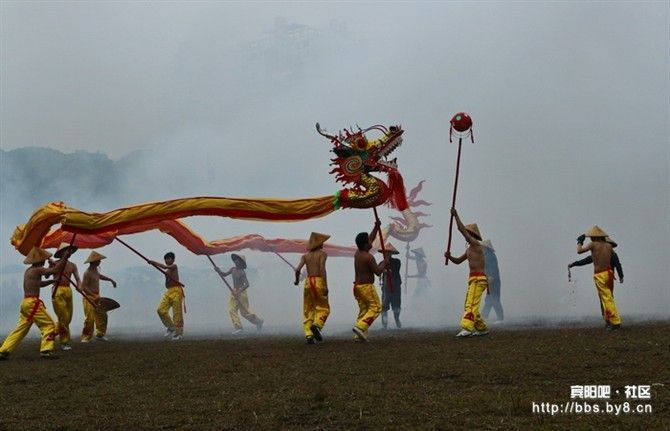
x=388 y=247
x=62 y=247
x=419 y=251
x=474 y=230
x=316 y=240
x=596 y=232
x=94 y=257
x=239 y=258
x=36 y=255
x=611 y=241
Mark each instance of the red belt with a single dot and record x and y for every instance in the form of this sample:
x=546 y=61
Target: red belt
x=477 y=274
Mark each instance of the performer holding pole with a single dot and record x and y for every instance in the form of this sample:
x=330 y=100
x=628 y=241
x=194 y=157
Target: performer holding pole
x=239 y=300
x=61 y=297
x=472 y=322
x=366 y=268
x=462 y=123
x=172 y=298
x=315 y=294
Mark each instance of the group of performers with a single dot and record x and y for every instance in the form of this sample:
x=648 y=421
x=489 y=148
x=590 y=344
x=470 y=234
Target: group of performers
x=484 y=277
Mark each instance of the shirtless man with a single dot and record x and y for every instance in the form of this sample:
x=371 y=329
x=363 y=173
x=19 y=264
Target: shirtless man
x=32 y=308
x=603 y=276
x=239 y=300
x=62 y=294
x=315 y=307
x=94 y=317
x=472 y=322
x=172 y=298
x=365 y=293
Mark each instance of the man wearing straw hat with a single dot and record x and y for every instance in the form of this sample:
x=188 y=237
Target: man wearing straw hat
x=603 y=276
x=472 y=323
x=62 y=295
x=32 y=308
x=422 y=281
x=95 y=318
x=239 y=300
x=365 y=268
x=315 y=294
x=616 y=263
x=391 y=283
x=172 y=298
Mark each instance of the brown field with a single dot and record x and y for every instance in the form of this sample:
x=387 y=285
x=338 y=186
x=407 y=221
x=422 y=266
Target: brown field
x=400 y=380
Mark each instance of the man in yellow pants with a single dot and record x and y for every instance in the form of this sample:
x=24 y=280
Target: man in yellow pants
x=95 y=318
x=472 y=323
x=172 y=298
x=62 y=295
x=603 y=275
x=315 y=295
x=32 y=308
x=365 y=268
x=239 y=301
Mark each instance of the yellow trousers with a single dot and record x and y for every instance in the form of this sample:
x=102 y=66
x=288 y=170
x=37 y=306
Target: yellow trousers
x=172 y=299
x=315 y=307
x=62 y=303
x=240 y=305
x=32 y=311
x=369 y=305
x=94 y=318
x=472 y=319
x=604 y=282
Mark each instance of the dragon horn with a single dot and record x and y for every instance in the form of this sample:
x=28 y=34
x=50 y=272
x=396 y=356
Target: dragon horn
x=318 y=129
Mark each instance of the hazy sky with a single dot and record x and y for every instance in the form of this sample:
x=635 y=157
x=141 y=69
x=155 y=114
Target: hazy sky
x=570 y=102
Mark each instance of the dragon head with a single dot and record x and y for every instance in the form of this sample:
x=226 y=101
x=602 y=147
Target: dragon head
x=357 y=154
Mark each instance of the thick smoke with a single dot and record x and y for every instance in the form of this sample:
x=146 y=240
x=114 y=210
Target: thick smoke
x=570 y=104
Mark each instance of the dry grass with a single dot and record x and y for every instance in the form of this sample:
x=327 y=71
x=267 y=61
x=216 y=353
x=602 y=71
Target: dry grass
x=401 y=380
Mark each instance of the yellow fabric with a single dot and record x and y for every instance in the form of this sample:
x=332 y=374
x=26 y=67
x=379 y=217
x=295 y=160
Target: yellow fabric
x=94 y=318
x=62 y=303
x=31 y=234
x=32 y=311
x=604 y=282
x=172 y=299
x=315 y=307
x=234 y=309
x=472 y=320
x=369 y=305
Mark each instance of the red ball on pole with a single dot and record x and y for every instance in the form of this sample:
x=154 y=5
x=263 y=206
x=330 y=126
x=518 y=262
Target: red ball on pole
x=462 y=124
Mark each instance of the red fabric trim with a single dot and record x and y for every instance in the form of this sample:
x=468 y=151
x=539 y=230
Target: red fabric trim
x=35 y=308
x=477 y=274
x=312 y=287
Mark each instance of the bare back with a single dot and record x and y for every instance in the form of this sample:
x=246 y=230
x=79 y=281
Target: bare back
x=66 y=276
x=365 y=267
x=601 y=252
x=315 y=261
x=475 y=255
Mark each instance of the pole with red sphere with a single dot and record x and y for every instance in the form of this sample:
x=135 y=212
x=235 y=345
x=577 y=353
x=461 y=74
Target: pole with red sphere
x=461 y=123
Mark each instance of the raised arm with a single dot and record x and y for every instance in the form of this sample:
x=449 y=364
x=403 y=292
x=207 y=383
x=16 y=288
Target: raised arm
x=456 y=260
x=581 y=248
x=377 y=268
x=461 y=228
x=104 y=277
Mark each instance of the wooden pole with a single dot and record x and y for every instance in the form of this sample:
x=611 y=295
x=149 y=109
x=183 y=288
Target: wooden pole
x=453 y=201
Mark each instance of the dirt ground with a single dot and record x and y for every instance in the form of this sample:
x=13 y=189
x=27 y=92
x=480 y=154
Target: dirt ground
x=400 y=380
